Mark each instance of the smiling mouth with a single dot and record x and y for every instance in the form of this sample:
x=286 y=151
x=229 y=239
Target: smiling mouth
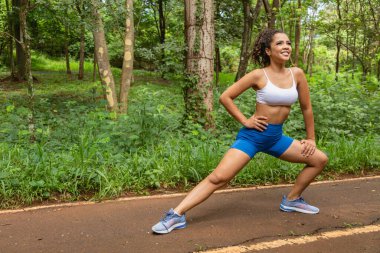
x=286 y=53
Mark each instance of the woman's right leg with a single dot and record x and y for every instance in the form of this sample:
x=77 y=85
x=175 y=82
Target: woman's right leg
x=233 y=161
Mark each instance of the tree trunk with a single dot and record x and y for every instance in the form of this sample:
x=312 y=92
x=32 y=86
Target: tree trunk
x=81 y=53
x=25 y=45
x=67 y=55
x=275 y=9
x=218 y=66
x=309 y=65
x=337 y=63
x=126 y=75
x=353 y=65
x=199 y=28
x=271 y=12
x=249 y=18
x=80 y=9
x=20 y=53
x=95 y=64
x=162 y=24
x=10 y=30
x=102 y=57
x=298 y=34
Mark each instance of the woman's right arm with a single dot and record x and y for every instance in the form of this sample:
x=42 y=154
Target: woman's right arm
x=226 y=99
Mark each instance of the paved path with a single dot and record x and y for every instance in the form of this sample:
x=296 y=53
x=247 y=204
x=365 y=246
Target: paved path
x=246 y=220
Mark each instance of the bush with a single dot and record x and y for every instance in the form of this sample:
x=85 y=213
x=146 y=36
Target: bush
x=84 y=151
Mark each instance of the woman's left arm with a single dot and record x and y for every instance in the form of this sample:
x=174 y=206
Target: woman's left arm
x=308 y=144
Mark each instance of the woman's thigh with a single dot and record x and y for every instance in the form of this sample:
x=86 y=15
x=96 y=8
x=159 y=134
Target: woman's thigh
x=232 y=162
x=294 y=154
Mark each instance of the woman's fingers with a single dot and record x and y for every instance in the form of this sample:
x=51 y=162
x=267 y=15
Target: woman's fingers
x=305 y=148
x=260 y=125
x=260 y=121
x=312 y=150
x=261 y=117
x=308 y=149
x=257 y=122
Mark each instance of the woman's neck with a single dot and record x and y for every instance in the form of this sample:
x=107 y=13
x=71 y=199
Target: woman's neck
x=277 y=67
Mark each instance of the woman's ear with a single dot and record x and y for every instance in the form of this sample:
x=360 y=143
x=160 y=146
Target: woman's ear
x=267 y=51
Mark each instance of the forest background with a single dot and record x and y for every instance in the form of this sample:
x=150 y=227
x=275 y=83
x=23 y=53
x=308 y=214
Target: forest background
x=108 y=98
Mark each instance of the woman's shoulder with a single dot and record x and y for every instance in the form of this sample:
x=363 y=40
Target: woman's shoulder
x=256 y=73
x=297 y=71
x=258 y=78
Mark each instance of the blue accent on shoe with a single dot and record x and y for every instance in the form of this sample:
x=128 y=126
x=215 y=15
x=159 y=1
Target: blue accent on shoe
x=297 y=205
x=170 y=222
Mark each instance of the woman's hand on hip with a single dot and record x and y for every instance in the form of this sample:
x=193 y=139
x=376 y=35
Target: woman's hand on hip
x=256 y=122
x=308 y=147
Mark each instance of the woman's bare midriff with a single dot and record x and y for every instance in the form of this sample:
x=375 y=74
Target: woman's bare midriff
x=276 y=114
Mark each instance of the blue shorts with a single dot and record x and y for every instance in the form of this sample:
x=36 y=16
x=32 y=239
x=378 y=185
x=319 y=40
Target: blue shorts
x=271 y=141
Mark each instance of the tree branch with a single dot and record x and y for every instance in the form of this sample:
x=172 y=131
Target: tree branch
x=10 y=35
x=255 y=12
x=347 y=47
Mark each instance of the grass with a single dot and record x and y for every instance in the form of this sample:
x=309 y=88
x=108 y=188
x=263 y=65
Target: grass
x=41 y=62
x=85 y=152
x=86 y=170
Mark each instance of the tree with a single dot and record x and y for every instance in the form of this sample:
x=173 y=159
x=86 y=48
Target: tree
x=359 y=23
x=24 y=43
x=67 y=54
x=79 y=5
x=102 y=58
x=126 y=76
x=10 y=40
x=298 y=34
x=162 y=26
x=310 y=26
x=271 y=12
x=250 y=16
x=218 y=66
x=21 y=74
x=199 y=33
x=338 y=39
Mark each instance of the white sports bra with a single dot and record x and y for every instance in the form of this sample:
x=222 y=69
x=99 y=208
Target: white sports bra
x=271 y=94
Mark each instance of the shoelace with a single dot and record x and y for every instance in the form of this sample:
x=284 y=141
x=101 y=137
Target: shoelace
x=167 y=216
x=301 y=200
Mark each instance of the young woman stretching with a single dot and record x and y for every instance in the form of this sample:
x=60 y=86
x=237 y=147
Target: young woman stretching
x=277 y=88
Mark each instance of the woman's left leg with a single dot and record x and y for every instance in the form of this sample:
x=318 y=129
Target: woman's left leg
x=314 y=166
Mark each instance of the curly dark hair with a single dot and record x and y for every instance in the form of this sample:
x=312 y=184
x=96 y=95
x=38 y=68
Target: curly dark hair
x=262 y=42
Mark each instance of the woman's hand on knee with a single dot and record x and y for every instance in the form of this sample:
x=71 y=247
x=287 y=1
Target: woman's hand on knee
x=308 y=147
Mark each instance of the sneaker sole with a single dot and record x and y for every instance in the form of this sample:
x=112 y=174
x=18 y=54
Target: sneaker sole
x=175 y=226
x=295 y=209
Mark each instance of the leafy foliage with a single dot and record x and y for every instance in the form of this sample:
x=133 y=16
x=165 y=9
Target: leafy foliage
x=84 y=152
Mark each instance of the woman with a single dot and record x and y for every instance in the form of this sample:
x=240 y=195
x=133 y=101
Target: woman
x=277 y=88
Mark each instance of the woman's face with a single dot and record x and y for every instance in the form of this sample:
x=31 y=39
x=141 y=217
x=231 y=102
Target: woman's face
x=280 y=48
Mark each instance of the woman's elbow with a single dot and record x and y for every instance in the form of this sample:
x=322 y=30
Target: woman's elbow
x=223 y=98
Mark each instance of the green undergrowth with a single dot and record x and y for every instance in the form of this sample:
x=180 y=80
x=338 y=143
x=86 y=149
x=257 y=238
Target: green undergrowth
x=88 y=169
x=85 y=152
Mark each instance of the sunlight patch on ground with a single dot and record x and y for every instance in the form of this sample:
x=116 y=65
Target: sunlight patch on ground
x=297 y=241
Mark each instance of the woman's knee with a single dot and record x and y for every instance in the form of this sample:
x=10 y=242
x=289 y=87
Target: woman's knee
x=218 y=179
x=324 y=159
x=320 y=161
